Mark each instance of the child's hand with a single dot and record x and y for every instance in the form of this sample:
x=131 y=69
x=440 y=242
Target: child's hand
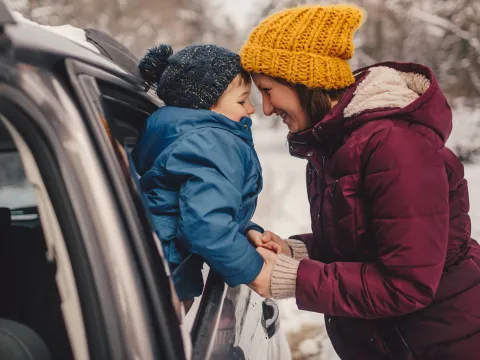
x=269 y=237
x=256 y=239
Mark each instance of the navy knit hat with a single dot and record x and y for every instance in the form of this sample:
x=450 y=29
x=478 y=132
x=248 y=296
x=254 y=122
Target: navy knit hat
x=195 y=77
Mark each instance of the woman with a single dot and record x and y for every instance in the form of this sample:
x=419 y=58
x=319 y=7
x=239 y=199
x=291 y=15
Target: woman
x=390 y=261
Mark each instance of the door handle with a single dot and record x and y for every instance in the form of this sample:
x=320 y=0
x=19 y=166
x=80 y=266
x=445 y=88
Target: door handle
x=270 y=317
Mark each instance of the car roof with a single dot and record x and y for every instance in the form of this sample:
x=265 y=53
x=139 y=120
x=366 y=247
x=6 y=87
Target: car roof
x=36 y=45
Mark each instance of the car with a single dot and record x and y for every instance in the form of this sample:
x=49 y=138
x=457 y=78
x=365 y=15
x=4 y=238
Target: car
x=80 y=264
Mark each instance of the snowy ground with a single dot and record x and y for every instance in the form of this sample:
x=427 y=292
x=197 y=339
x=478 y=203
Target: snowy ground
x=283 y=208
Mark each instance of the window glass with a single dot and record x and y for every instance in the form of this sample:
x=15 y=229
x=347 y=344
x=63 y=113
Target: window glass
x=15 y=191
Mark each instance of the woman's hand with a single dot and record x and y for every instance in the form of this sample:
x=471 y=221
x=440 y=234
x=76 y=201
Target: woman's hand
x=256 y=238
x=269 y=237
x=261 y=285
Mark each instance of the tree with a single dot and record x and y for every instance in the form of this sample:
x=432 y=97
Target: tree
x=138 y=24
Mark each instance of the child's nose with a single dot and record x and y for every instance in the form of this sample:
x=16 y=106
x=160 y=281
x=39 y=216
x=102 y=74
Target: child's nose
x=251 y=110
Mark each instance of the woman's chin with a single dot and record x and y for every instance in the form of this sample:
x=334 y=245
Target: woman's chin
x=290 y=126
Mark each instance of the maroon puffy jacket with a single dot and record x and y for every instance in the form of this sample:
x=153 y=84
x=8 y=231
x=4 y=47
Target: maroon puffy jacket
x=392 y=264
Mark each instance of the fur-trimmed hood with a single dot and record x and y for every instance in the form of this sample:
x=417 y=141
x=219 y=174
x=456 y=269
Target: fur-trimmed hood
x=386 y=91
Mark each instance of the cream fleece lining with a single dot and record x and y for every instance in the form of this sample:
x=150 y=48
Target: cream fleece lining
x=385 y=87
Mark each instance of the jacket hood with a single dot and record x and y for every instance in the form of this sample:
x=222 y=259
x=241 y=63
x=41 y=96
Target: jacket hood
x=387 y=90
x=169 y=123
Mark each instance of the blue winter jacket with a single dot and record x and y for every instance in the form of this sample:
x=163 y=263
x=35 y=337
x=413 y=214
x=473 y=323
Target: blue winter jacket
x=201 y=178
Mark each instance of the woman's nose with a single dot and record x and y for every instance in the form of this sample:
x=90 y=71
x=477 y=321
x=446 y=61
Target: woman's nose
x=267 y=106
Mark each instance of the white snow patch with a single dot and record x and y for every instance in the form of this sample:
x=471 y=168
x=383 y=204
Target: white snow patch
x=472 y=174
x=465 y=135
x=68 y=31
x=310 y=347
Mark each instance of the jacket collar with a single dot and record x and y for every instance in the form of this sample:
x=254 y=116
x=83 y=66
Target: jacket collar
x=169 y=123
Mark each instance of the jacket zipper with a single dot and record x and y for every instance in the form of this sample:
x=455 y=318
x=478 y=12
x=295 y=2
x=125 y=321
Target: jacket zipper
x=334 y=187
x=334 y=212
x=320 y=190
x=322 y=198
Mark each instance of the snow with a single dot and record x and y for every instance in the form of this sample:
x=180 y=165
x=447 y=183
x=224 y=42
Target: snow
x=465 y=137
x=472 y=174
x=283 y=208
x=310 y=347
x=75 y=34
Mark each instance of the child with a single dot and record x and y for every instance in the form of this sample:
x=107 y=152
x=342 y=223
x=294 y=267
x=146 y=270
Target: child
x=198 y=168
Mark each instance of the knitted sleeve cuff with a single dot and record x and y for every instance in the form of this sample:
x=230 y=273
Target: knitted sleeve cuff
x=284 y=277
x=299 y=250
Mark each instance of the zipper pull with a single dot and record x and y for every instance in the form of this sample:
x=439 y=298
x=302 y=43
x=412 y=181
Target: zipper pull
x=334 y=187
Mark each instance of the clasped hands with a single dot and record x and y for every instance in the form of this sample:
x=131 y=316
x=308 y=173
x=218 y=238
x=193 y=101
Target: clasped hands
x=269 y=245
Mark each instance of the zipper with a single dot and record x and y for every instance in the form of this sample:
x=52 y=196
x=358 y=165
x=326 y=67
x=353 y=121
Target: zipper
x=309 y=179
x=319 y=185
x=320 y=190
x=334 y=212
x=322 y=198
x=334 y=187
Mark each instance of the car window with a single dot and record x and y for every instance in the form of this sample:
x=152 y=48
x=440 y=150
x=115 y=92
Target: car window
x=15 y=191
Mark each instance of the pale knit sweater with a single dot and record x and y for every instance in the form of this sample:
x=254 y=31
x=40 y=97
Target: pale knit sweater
x=284 y=274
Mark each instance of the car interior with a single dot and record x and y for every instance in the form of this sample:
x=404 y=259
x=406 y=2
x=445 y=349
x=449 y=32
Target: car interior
x=30 y=295
x=27 y=278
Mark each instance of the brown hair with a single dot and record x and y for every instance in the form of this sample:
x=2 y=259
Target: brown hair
x=242 y=78
x=316 y=102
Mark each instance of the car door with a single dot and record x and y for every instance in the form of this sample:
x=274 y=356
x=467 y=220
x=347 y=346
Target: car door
x=123 y=309
x=246 y=326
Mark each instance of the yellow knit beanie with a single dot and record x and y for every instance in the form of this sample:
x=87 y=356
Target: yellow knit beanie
x=307 y=45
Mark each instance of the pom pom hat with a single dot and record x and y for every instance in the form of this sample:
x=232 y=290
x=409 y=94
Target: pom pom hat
x=194 y=77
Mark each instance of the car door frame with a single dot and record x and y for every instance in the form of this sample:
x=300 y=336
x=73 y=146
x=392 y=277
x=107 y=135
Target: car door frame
x=56 y=134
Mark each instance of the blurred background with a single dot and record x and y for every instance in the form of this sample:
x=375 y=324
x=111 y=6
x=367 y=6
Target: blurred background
x=442 y=34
